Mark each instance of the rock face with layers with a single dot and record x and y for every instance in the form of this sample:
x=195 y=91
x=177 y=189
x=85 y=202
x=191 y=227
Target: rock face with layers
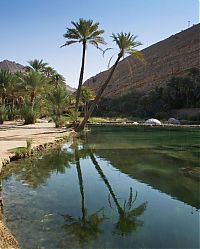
x=173 y=56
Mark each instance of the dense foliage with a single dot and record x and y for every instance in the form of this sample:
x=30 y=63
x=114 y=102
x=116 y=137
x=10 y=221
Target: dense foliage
x=38 y=91
x=180 y=92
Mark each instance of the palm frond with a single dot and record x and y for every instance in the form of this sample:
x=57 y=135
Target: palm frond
x=104 y=51
x=67 y=43
x=110 y=60
x=84 y=31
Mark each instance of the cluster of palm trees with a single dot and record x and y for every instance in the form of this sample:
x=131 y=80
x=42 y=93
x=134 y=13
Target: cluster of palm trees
x=37 y=91
x=25 y=94
x=40 y=91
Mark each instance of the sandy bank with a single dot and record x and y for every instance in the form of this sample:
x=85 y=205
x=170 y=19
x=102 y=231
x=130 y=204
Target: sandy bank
x=13 y=135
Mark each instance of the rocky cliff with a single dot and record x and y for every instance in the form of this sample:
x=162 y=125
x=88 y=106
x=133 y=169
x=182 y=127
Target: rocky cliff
x=11 y=66
x=173 y=56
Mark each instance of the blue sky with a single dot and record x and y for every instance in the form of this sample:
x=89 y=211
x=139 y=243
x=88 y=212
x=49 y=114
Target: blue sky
x=34 y=28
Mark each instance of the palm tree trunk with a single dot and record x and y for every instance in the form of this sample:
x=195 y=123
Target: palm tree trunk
x=99 y=170
x=1 y=198
x=81 y=77
x=80 y=178
x=32 y=100
x=99 y=94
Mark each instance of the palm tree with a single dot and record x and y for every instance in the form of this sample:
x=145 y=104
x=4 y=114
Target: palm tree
x=37 y=65
x=128 y=221
x=49 y=71
x=13 y=95
x=84 y=32
x=86 y=227
x=7 y=81
x=127 y=44
x=58 y=100
x=33 y=82
x=57 y=79
x=87 y=95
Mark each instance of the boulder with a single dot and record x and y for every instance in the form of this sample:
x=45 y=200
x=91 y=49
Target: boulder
x=173 y=121
x=152 y=121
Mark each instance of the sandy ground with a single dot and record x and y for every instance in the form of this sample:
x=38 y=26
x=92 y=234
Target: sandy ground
x=14 y=135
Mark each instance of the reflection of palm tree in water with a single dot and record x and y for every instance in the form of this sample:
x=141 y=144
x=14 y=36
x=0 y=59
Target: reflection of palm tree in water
x=85 y=228
x=128 y=221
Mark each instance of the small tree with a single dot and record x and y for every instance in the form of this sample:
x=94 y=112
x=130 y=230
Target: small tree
x=58 y=101
x=87 y=94
x=33 y=83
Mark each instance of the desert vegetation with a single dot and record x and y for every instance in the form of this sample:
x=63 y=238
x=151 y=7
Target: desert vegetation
x=39 y=91
x=179 y=93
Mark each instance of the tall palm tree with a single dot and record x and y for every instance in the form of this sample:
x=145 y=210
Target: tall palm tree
x=127 y=44
x=86 y=227
x=84 y=32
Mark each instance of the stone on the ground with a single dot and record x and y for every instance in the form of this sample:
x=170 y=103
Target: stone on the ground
x=152 y=121
x=173 y=121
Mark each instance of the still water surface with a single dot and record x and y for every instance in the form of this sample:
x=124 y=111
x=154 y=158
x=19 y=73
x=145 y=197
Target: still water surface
x=111 y=188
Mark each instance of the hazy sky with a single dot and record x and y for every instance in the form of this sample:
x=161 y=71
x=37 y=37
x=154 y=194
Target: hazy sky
x=34 y=28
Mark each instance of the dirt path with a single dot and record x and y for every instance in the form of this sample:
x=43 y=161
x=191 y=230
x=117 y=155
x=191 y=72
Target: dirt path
x=14 y=135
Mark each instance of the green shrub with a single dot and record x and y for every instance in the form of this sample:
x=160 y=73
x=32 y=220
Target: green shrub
x=28 y=113
x=3 y=114
x=74 y=116
x=29 y=142
x=59 y=121
x=12 y=112
x=195 y=117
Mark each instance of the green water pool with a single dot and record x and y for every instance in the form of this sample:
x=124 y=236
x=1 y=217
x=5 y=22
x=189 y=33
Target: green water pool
x=112 y=187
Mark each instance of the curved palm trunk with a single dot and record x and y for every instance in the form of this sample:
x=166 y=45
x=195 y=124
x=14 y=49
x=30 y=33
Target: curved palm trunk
x=80 y=178
x=99 y=170
x=99 y=94
x=81 y=77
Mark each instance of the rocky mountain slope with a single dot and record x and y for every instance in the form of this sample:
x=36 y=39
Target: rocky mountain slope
x=13 y=67
x=173 y=56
